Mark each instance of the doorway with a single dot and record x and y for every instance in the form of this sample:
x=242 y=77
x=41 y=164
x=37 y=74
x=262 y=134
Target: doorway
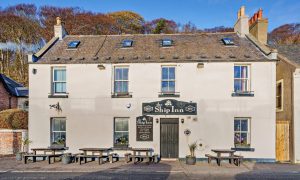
x=169 y=137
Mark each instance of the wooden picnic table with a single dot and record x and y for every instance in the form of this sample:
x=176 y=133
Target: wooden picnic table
x=141 y=154
x=94 y=153
x=53 y=154
x=223 y=151
x=137 y=151
x=231 y=157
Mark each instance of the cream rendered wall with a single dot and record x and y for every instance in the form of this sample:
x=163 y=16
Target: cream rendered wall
x=90 y=110
x=296 y=102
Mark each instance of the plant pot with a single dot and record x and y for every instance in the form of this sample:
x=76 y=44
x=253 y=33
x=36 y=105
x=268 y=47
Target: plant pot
x=19 y=156
x=190 y=160
x=67 y=158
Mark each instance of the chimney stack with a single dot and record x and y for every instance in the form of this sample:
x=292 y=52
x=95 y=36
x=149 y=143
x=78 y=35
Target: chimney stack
x=242 y=25
x=258 y=27
x=59 y=30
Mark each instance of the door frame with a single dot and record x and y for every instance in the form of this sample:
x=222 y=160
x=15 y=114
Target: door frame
x=160 y=123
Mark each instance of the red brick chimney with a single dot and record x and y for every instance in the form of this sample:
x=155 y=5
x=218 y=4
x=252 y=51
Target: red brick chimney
x=258 y=26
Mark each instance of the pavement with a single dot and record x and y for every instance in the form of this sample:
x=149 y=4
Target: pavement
x=12 y=169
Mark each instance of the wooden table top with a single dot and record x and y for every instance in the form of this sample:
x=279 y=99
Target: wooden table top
x=95 y=149
x=223 y=150
x=48 y=149
x=141 y=149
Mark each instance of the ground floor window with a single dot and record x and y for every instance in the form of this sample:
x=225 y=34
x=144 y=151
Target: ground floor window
x=242 y=132
x=58 y=131
x=121 y=132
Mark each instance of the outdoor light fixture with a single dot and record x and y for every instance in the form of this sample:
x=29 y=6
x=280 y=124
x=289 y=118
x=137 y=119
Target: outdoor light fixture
x=101 y=67
x=34 y=71
x=182 y=120
x=157 y=120
x=200 y=65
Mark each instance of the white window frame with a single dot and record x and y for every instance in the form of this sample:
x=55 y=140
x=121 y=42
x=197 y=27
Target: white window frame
x=169 y=80
x=53 y=131
x=240 y=131
x=281 y=95
x=248 y=79
x=114 y=79
x=54 y=82
x=123 y=118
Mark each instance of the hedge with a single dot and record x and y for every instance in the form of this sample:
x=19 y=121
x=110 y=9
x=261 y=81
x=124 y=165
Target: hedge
x=14 y=119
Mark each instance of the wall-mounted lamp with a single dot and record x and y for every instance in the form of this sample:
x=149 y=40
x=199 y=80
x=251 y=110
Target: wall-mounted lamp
x=101 y=67
x=34 y=71
x=157 y=120
x=182 y=121
x=200 y=65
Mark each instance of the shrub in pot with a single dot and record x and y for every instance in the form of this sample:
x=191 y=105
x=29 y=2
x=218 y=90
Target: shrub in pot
x=67 y=158
x=25 y=143
x=191 y=159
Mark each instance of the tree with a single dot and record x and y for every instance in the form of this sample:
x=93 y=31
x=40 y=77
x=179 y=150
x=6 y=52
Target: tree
x=128 y=22
x=161 y=25
x=285 y=34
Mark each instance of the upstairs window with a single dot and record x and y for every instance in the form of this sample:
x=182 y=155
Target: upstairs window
x=166 y=43
x=59 y=80
x=73 y=44
x=279 y=95
x=168 y=79
x=121 y=80
x=228 y=41
x=241 y=79
x=127 y=43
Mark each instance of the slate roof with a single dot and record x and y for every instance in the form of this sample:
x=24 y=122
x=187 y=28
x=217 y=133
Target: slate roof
x=292 y=52
x=147 y=48
x=12 y=87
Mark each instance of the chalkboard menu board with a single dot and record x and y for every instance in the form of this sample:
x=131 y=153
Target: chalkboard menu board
x=144 y=128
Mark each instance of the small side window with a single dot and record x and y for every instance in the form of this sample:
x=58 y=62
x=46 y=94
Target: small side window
x=279 y=95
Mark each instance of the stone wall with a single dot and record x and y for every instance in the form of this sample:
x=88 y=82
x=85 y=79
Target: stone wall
x=11 y=141
x=7 y=101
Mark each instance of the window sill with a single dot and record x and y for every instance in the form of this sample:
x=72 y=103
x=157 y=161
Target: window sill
x=243 y=149
x=243 y=94
x=175 y=94
x=58 y=96
x=121 y=95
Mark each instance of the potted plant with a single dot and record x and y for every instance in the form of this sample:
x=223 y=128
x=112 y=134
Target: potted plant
x=67 y=158
x=191 y=159
x=25 y=143
x=60 y=143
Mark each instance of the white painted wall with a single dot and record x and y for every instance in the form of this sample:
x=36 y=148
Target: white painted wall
x=90 y=110
x=297 y=115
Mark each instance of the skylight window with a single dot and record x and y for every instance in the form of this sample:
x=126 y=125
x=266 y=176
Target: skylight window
x=166 y=42
x=73 y=44
x=127 y=43
x=228 y=41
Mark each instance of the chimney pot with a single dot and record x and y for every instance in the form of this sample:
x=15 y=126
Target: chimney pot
x=58 y=21
x=260 y=13
x=242 y=11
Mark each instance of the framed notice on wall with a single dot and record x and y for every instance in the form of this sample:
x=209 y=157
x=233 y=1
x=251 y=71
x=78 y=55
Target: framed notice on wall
x=144 y=128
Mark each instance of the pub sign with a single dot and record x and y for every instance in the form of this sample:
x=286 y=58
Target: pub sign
x=144 y=128
x=169 y=107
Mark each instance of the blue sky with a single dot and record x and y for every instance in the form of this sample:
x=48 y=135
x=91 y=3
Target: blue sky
x=203 y=13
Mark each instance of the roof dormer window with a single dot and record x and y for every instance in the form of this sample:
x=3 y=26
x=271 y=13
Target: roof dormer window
x=73 y=44
x=127 y=43
x=228 y=41
x=166 y=42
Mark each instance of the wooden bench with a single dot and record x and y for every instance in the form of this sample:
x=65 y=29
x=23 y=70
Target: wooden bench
x=44 y=156
x=84 y=158
x=113 y=156
x=237 y=160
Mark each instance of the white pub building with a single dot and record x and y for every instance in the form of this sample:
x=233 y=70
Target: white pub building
x=159 y=91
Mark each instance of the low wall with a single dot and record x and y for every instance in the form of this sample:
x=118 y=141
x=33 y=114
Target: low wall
x=11 y=140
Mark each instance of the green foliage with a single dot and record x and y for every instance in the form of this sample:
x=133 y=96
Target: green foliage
x=14 y=119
